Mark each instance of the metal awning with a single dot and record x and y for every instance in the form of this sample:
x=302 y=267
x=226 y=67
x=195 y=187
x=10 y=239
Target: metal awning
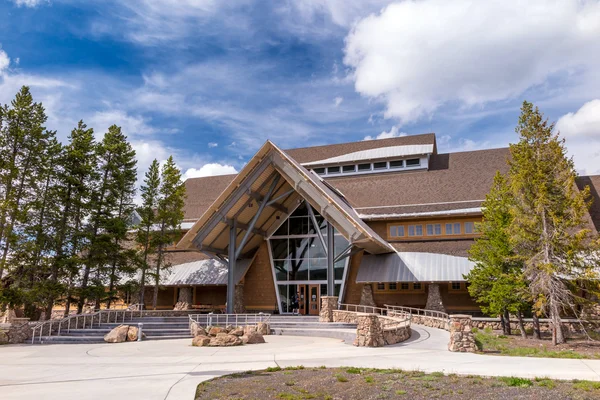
x=272 y=175
x=413 y=267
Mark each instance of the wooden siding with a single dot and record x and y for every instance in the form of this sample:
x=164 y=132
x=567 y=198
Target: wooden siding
x=259 y=289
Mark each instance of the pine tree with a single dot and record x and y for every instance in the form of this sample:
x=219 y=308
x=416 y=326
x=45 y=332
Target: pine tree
x=169 y=215
x=497 y=280
x=147 y=214
x=548 y=230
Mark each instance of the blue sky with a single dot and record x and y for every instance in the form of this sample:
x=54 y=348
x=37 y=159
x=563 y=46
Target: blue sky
x=209 y=81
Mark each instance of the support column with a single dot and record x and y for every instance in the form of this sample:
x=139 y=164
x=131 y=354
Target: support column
x=434 y=298
x=461 y=335
x=231 y=268
x=328 y=304
x=330 y=258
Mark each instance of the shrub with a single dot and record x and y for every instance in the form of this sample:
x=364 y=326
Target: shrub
x=516 y=382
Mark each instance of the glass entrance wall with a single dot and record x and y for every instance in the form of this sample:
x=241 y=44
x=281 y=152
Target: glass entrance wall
x=298 y=256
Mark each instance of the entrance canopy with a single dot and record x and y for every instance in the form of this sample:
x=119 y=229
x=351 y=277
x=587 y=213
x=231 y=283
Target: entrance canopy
x=262 y=196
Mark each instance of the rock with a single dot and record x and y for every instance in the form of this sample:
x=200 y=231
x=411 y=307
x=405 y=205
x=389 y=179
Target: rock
x=237 y=331
x=215 y=330
x=197 y=330
x=181 y=305
x=228 y=328
x=132 y=334
x=200 y=341
x=263 y=328
x=253 y=338
x=249 y=329
x=117 y=335
x=224 y=339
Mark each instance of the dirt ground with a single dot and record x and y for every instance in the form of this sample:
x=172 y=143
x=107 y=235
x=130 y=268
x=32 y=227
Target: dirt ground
x=353 y=383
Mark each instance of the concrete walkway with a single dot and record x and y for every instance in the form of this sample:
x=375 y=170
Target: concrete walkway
x=171 y=369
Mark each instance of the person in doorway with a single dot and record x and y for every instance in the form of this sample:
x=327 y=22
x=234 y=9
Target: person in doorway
x=295 y=301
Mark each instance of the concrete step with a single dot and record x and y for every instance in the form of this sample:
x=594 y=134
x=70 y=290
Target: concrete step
x=148 y=332
x=149 y=325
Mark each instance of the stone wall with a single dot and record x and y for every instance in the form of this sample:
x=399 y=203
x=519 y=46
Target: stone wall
x=368 y=331
x=434 y=298
x=461 y=335
x=18 y=331
x=570 y=326
x=366 y=296
x=347 y=317
x=328 y=305
x=396 y=335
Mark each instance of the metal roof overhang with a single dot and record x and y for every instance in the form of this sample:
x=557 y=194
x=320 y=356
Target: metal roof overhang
x=272 y=174
x=413 y=267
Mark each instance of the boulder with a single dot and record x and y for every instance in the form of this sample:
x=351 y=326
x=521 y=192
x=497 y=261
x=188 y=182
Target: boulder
x=237 y=331
x=132 y=334
x=200 y=341
x=229 y=328
x=263 y=328
x=197 y=330
x=215 y=330
x=224 y=339
x=3 y=337
x=249 y=329
x=117 y=335
x=253 y=338
x=182 y=305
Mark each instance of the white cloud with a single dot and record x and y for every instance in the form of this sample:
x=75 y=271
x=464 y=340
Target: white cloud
x=418 y=56
x=337 y=101
x=29 y=3
x=131 y=125
x=212 y=145
x=581 y=131
x=392 y=133
x=4 y=60
x=211 y=169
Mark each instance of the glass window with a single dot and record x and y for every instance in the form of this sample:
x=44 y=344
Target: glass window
x=381 y=286
x=411 y=230
x=279 y=248
x=457 y=228
x=413 y=162
x=417 y=286
x=281 y=269
x=434 y=229
x=392 y=286
x=469 y=227
x=397 y=164
x=318 y=269
x=404 y=286
x=333 y=170
x=400 y=231
x=298 y=270
x=299 y=225
x=282 y=230
x=348 y=168
x=364 y=167
x=319 y=171
x=380 y=165
x=415 y=230
x=448 y=229
x=456 y=285
x=419 y=230
x=393 y=231
x=338 y=269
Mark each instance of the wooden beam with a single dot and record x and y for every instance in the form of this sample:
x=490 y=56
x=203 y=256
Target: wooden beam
x=259 y=198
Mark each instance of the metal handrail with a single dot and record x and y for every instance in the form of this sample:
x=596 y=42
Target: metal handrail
x=212 y=319
x=419 y=311
x=395 y=320
x=86 y=317
x=362 y=309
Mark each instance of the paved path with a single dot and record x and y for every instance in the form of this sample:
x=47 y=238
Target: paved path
x=171 y=369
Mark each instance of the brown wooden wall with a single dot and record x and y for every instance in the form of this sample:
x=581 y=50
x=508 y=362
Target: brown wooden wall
x=353 y=290
x=210 y=295
x=166 y=298
x=259 y=289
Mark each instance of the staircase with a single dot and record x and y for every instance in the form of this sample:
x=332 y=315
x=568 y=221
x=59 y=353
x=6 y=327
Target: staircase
x=163 y=328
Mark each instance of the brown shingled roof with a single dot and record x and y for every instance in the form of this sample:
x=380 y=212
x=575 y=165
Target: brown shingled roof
x=594 y=183
x=308 y=154
x=461 y=180
x=202 y=192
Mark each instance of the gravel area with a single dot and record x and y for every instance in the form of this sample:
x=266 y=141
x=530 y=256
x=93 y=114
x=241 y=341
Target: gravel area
x=353 y=383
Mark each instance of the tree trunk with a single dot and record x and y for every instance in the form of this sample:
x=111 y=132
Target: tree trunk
x=558 y=336
x=507 y=330
x=536 y=327
x=521 y=325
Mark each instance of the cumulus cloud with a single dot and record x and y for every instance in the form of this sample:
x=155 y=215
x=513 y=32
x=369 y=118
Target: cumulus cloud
x=130 y=124
x=581 y=130
x=4 y=60
x=418 y=56
x=392 y=133
x=211 y=169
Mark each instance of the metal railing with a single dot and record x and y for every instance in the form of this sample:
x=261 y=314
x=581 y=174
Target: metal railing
x=88 y=321
x=418 y=311
x=389 y=319
x=212 y=319
x=395 y=322
x=362 y=309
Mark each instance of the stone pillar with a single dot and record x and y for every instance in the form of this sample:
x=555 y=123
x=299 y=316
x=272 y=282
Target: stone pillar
x=368 y=331
x=461 y=336
x=366 y=296
x=328 y=304
x=238 y=300
x=184 y=300
x=434 y=298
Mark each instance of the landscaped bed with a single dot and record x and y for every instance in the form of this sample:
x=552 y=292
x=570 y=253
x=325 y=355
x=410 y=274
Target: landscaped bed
x=514 y=345
x=354 y=383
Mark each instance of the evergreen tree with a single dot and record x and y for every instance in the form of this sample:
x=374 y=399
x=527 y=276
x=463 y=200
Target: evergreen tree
x=497 y=280
x=169 y=215
x=147 y=213
x=548 y=230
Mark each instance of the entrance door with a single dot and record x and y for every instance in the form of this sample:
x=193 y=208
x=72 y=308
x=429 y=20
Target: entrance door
x=314 y=293
x=302 y=299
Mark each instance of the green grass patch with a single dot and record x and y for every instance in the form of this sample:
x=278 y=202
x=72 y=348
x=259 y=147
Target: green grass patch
x=401 y=392
x=545 y=382
x=586 y=385
x=516 y=382
x=294 y=368
x=369 y=379
x=341 y=378
x=353 y=370
x=273 y=369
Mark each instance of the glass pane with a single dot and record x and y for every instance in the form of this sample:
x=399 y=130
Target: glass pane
x=364 y=167
x=281 y=269
x=338 y=269
x=448 y=229
x=316 y=249
x=419 y=230
x=339 y=244
x=380 y=165
x=413 y=162
x=396 y=164
x=429 y=229
x=457 y=229
x=468 y=227
x=318 y=269
x=283 y=296
x=393 y=231
x=298 y=270
x=299 y=225
x=400 y=231
x=280 y=249
x=282 y=230
x=348 y=168
x=299 y=247
x=411 y=230
x=300 y=211
x=319 y=171
x=333 y=170
x=438 y=229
